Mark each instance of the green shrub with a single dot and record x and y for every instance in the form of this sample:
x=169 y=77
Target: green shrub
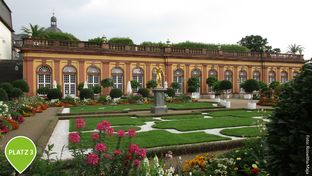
x=3 y=95
x=103 y=99
x=6 y=168
x=86 y=94
x=96 y=89
x=250 y=85
x=107 y=82
x=121 y=41
x=193 y=84
x=144 y=92
x=274 y=85
x=133 y=99
x=43 y=90
x=7 y=87
x=175 y=85
x=170 y=92
x=183 y=98
x=211 y=80
x=263 y=86
x=191 y=89
x=115 y=93
x=134 y=84
x=16 y=93
x=22 y=84
x=225 y=85
x=51 y=35
x=69 y=99
x=54 y=94
x=290 y=127
x=80 y=86
x=151 y=84
x=198 y=45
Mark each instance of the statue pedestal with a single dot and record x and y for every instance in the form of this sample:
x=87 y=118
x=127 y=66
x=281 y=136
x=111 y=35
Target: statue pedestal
x=160 y=106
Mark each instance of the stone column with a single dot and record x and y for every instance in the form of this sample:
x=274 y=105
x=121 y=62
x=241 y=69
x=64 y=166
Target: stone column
x=81 y=72
x=278 y=74
x=187 y=76
x=29 y=75
x=235 y=80
x=290 y=74
x=169 y=73
x=57 y=72
x=147 y=73
x=105 y=74
x=221 y=73
x=128 y=72
x=204 y=78
x=249 y=72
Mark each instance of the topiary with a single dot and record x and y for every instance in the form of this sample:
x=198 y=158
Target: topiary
x=86 y=94
x=16 y=93
x=144 y=92
x=115 y=93
x=193 y=82
x=274 y=84
x=175 y=85
x=107 y=82
x=7 y=87
x=80 y=86
x=151 y=84
x=250 y=85
x=43 y=90
x=170 y=92
x=134 y=84
x=3 y=95
x=290 y=127
x=22 y=84
x=96 y=89
x=103 y=99
x=54 y=94
x=191 y=89
x=263 y=86
x=225 y=85
x=211 y=80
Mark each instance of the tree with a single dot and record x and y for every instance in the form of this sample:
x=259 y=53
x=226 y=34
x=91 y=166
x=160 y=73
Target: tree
x=98 y=40
x=135 y=84
x=151 y=84
x=255 y=43
x=107 y=82
x=121 y=41
x=225 y=85
x=175 y=86
x=250 y=85
x=59 y=36
x=211 y=81
x=193 y=84
x=34 y=31
x=290 y=127
x=216 y=88
x=274 y=84
x=276 y=50
x=294 y=49
x=155 y=44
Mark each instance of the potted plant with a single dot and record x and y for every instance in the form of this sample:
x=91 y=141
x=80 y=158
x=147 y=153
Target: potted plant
x=250 y=86
x=210 y=82
x=224 y=86
x=193 y=85
x=97 y=91
x=216 y=89
x=107 y=83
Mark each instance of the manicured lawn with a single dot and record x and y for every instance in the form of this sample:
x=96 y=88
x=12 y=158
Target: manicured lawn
x=155 y=138
x=239 y=113
x=201 y=124
x=242 y=132
x=126 y=107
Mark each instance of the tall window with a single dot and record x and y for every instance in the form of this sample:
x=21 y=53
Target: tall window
x=212 y=73
x=284 y=77
x=44 y=77
x=272 y=76
x=93 y=76
x=228 y=75
x=138 y=75
x=256 y=75
x=178 y=77
x=69 y=81
x=242 y=78
x=196 y=73
x=154 y=74
x=117 y=75
x=295 y=74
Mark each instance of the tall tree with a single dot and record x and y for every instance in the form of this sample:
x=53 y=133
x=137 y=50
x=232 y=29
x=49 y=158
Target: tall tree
x=255 y=43
x=294 y=49
x=34 y=31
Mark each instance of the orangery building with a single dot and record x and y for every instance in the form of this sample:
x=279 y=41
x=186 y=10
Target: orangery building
x=69 y=63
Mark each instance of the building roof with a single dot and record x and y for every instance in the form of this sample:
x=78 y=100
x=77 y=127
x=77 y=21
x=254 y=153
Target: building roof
x=5 y=15
x=53 y=27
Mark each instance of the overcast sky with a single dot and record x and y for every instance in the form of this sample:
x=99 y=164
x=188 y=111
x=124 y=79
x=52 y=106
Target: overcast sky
x=282 y=22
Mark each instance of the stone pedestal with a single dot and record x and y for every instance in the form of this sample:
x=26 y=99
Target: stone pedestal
x=160 y=106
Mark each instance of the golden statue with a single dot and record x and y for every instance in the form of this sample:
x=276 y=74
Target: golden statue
x=159 y=77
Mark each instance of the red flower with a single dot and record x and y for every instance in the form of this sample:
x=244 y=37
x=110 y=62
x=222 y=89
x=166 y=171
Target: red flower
x=20 y=119
x=80 y=123
x=100 y=147
x=255 y=170
x=117 y=152
x=133 y=148
x=110 y=131
x=121 y=133
x=136 y=163
x=92 y=159
x=5 y=129
x=103 y=126
x=95 y=136
x=74 y=137
x=141 y=152
x=131 y=132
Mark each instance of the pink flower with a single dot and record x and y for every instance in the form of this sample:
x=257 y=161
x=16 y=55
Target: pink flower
x=80 y=123
x=103 y=126
x=95 y=136
x=136 y=163
x=117 y=152
x=74 y=137
x=92 y=159
x=20 y=119
x=121 y=133
x=131 y=132
x=5 y=129
x=133 y=148
x=100 y=147
x=141 y=152
x=110 y=131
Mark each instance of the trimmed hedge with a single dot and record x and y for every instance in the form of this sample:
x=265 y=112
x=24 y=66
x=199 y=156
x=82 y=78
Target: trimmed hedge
x=54 y=94
x=96 y=89
x=170 y=92
x=7 y=87
x=22 y=84
x=86 y=94
x=144 y=92
x=3 y=95
x=16 y=93
x=115 y=93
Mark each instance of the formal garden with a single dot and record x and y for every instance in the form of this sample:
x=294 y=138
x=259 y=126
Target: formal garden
x=117 y=135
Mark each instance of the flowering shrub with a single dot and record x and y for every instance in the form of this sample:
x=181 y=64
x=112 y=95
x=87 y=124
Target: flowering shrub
x=4 y=109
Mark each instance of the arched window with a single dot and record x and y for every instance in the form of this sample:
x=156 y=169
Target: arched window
x=272 y=76
x=295 y=73
x=228 y=75
x=117 y=74
x=44 y=77
x=138 y=75
x=242 y=76
x=154 y=74
x=93 y=76
x=256 y=75
x=69 y=80
x=196 y=73
x=284 y=77
x=178 y=76
x=212 y=73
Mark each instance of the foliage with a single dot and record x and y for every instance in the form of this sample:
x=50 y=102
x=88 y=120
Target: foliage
x=216 y=87
x=191 y=89
x=134 y=84
x=175 y=86
x=98 y=40
x=193 y=84
x=96 y=89
x=51 y=35
x=263 y=86
x=183 y=98
x=121 y=41
x=133 y=99
x=104 y=99
x=16 y=93
x=107 y=82
x=170 y=92
x=34 y=31
x=6 y=168
x=274 y=85
x=144 y=92
x=197 y=45
x=3 y=95
x=151 y=84
x=80 y=86
x=250 y=85
x=86 y=94
x=115 y=93
x=255 y=43
x=294 y=49
x=22 y=84
x=54 y=94
x=7 y=87
x=291 y=126
x=225 y=85
x=42 y=90
x=153 y=44
x=211 y=80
